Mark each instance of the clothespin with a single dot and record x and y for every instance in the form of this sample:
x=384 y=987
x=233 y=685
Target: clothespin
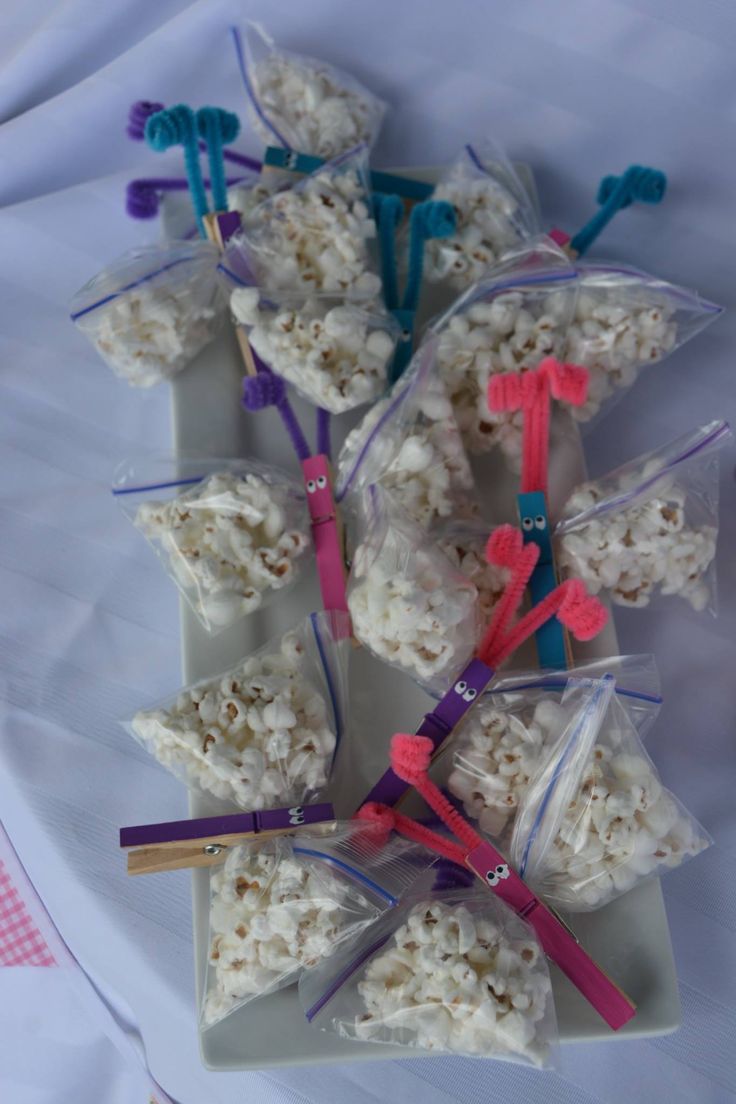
x=177 y=844
x=429 y=219
x=410 y=760
x=569 y=602
x=530 y=392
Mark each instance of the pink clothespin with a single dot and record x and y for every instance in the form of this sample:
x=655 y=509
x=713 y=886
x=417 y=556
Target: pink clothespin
x=569 y=603
x=326 y=532
x=410 y=759
x=530 y=392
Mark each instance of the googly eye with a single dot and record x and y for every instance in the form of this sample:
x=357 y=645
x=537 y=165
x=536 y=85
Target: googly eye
x=502 y=871
x=298 y=810
x=321 y=482
x=460 y=687
x=406 y=335
x=296 y=820
x=492 y=878
x=527 y=524
x=540 y=521
x=290 y=159
x=311 y=486
x=470 y=694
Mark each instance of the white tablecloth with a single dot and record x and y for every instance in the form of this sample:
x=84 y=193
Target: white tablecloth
x=578 y=88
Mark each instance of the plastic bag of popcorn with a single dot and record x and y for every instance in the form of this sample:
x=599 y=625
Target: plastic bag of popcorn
x=230 y=533
x=152 y=310
x=268 y=733
x=496 y=749
x=281 y=906
x=301 y=103
x=409 y=443
x=455 y=972
x=409 y=605
x=494 y=212
x=594 y=819
x=316 y=237
x=336 y=354
x=649 y=528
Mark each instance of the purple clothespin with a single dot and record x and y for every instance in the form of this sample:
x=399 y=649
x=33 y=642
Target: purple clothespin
x=177 y=844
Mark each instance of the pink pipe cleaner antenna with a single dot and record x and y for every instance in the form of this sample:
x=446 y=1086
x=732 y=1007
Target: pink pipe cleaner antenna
x=530 y=392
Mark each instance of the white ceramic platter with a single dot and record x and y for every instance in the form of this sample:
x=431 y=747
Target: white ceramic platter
x=630 y=938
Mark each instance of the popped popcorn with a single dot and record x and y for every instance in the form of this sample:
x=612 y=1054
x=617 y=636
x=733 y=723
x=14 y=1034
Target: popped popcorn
x=409 y=443
x=258 y=735
x=469 y=980
x=229 y=541
x=314 y=106
x=511 y=333
x=272 y=914
x=487 y=218
x=409 y=606
x=153 y=310
x=314 y=237
x=336 y=354
x=464 y=546
x=495 y=755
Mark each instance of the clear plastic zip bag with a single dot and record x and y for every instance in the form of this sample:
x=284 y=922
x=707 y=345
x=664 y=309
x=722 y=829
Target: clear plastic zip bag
x=268 y=733
x=464 y=544
x=409 y=606
x=493 y=210
x=281 y=906
x=455 y=972
x=248 y=194
x=509 y=322
x=626 y=319
x=152 y=310
x=317 y=237
x=595 y=819
x=649 y=528
x=230 y=533
x=409 y=443
x=497 y=748
x=336 y=354
x=302 y=103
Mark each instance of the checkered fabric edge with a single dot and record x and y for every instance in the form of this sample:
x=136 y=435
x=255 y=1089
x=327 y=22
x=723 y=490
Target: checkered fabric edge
x=21 y=943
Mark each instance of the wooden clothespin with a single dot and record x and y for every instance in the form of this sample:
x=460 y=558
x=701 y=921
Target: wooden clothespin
x=177 y=844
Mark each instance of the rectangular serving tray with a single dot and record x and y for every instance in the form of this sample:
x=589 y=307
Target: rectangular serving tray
x=629 y=938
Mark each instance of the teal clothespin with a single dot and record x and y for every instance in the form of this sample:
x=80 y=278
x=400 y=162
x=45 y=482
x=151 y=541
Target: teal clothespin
x=429 y=219
x=382 y=182
x=638 y=184
x=534 y=522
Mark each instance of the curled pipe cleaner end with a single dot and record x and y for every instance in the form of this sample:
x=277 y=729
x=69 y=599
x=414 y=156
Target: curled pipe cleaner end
x=216 y=119
x=504 y=546
x=580 y=612
x=411 y=756
x=377 y=813
x=139 y=114
x=265 y=389
x=173 y=126
x=567 y=382
x=436 y=218
x=448 y=875
x=141 y=200
x=638 y=184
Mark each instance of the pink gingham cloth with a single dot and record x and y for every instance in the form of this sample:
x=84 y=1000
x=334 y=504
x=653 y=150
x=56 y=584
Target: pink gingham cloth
x=28 y=937
x=21 y=943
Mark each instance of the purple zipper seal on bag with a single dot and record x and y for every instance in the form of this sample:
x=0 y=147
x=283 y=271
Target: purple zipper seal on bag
x=437 y=725
x=718 y=434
